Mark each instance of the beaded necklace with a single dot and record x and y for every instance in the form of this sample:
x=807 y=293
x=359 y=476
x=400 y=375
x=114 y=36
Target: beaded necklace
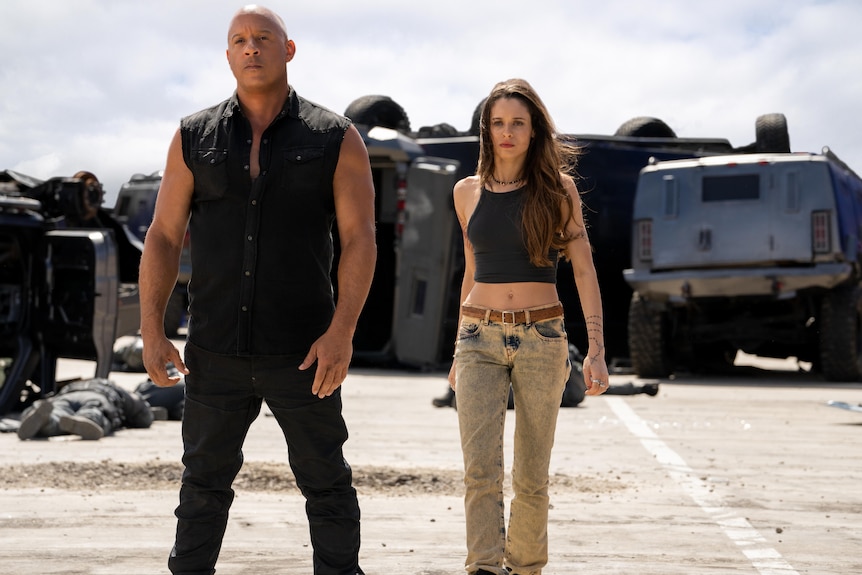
x=512 y=183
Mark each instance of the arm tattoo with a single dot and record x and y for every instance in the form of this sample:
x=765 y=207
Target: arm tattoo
x=595 y=334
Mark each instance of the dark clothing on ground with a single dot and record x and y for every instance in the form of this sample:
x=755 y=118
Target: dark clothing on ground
x=107 y=405
x=172 y=399
x=260 y=296
x=632 y=389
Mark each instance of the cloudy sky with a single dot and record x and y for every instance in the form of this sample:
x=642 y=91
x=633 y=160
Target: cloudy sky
x=101 y=84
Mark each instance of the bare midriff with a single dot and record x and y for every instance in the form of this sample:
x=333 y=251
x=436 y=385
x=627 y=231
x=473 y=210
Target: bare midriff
x=512 y=296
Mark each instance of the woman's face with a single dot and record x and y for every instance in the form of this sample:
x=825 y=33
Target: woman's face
x=511 y=127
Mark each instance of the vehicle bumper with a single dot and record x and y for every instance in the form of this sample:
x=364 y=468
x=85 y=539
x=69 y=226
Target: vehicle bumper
x=682 y=285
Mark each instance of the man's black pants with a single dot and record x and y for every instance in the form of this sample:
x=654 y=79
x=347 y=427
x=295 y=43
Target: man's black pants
x=223 y=397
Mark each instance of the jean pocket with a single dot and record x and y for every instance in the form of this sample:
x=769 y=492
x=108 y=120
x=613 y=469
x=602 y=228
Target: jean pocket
x=468 y=330
x=550 y=329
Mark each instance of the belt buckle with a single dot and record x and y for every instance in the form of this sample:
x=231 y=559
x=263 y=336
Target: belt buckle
x=503 y=318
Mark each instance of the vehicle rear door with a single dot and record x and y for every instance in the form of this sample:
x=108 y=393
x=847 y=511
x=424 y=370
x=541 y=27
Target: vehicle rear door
x=731 y=215
x=424 y=261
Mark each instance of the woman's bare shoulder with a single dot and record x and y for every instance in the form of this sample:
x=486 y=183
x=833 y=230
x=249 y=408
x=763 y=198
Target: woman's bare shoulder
x=467 y=188
x=466 y=194
x=467 y=185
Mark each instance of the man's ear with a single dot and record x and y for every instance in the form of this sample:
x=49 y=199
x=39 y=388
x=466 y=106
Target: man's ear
x=290 y=49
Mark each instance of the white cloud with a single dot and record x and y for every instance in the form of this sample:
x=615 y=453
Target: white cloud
x=101 y=84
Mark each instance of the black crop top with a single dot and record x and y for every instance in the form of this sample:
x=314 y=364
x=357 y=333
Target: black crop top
x=494 y=231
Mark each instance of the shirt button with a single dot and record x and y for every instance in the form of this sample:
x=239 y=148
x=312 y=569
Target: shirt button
x=244 y=308
x=245 y=167
x=249 y=237
x=247 y=273
x=254 y=202
x=266 y=140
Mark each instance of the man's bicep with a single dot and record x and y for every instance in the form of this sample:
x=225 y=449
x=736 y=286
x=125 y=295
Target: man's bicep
x=175 y=193
x=353 y=186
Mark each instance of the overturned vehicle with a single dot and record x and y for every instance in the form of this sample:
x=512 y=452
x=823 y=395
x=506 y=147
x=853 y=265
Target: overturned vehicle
x=68 y=282
x=424 y=266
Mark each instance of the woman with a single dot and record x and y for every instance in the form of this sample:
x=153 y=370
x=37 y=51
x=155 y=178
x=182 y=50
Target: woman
x=519 y=214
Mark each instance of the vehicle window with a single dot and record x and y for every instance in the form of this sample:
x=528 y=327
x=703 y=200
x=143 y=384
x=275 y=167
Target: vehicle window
x=671 y=197
x=792 y=192
x=727 y=188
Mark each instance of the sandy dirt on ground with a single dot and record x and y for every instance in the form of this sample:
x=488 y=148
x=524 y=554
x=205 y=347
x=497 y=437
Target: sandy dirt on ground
x=254 y=476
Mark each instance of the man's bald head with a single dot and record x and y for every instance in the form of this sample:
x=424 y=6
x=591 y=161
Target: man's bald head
x=261 y=11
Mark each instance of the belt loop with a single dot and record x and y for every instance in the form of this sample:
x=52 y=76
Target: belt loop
x=527 y=316
x=487 y=316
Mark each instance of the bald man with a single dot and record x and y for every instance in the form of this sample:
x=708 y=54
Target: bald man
x=259 y=180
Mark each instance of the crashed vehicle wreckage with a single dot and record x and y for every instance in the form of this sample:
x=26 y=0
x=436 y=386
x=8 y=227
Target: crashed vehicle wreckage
x=68 y=282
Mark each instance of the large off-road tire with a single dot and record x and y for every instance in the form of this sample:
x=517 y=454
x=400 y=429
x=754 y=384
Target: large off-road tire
x=645 y=127
x=378 y=111
x=648 y=346
x=841 y=334
x=477 y=118
x=771 y=134
x=441 y=130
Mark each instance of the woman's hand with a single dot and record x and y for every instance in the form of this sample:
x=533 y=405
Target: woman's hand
x=596 y=375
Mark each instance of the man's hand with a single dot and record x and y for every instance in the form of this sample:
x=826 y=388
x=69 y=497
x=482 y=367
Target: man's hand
x=333 y=353
x=157 y=354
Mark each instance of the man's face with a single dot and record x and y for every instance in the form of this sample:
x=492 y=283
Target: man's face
x=257 y=51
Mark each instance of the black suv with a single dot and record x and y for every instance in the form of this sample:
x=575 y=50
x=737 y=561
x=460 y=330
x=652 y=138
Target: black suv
x=134 y=209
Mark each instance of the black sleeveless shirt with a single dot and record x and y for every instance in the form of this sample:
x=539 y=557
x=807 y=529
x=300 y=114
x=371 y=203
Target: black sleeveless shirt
x=494 y=231
x=261 y=251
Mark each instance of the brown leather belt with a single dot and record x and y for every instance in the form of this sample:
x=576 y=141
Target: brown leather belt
x=518 y=316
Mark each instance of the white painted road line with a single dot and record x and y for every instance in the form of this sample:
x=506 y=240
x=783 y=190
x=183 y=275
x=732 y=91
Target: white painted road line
x=753 y=545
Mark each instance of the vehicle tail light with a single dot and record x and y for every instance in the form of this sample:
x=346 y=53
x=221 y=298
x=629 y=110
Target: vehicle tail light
x=643 y=240
x=821 y=232
x=400 y=207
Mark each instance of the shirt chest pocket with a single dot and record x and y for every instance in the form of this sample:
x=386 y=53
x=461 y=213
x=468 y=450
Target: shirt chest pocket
x=303 y=169
x=209 y=166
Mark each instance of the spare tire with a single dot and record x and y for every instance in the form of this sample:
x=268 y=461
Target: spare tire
x=771 y=134
x=437 y=131
x=645 y=127
x=378 y=111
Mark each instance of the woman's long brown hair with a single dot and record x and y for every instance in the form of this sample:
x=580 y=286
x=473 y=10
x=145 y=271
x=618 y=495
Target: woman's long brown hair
x=543 y=223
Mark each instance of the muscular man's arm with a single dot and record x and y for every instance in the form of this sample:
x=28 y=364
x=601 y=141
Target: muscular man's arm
x=354 y=211
x=160 y=264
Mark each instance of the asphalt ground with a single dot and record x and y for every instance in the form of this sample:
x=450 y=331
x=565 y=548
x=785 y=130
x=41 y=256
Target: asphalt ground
x=748 y=472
